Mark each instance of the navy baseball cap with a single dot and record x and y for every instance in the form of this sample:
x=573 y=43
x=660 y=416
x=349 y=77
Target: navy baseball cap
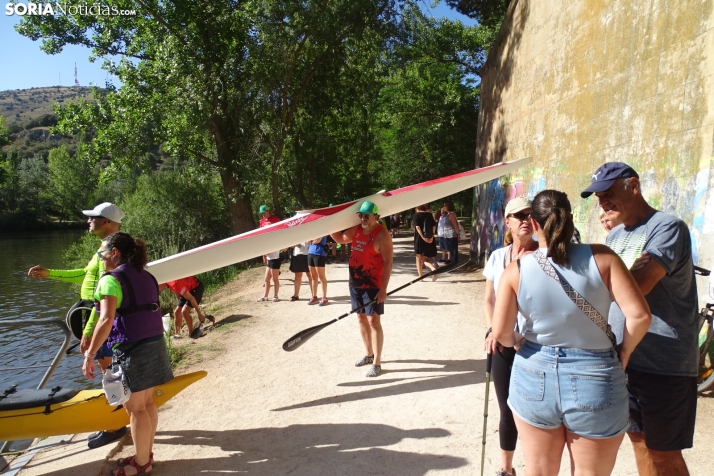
x=606 y=175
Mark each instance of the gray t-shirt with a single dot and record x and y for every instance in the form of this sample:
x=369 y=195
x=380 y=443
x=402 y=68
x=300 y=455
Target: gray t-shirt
x=670 y=346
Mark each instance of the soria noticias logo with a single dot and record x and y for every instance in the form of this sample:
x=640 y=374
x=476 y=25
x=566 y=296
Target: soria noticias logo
x=57 y=8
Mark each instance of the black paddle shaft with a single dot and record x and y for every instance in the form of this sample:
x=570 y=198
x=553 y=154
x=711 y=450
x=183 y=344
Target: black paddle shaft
x=301 y=337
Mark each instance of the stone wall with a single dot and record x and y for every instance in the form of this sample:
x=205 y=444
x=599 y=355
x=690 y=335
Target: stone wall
x=576 y=83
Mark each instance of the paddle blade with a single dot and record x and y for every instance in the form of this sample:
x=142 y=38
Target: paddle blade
x=301 y=337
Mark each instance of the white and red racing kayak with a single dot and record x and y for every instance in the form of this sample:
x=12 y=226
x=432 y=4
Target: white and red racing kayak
x=311 y=224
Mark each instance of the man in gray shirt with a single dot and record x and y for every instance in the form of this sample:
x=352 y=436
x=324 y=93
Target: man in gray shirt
x=662 y=373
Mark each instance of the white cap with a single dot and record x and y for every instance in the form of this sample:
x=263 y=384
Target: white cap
x=106 y=210
x=516 y=205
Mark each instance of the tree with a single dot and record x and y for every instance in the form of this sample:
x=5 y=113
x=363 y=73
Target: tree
x=32 y=185
x=10 y=180
x=3 y=132
x=488 y=13
x=71 y=181
x=219 y=81
x=176 y=211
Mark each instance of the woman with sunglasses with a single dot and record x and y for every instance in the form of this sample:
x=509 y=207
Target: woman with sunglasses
x=127 y=298
x=518 y=242
x=568 y=380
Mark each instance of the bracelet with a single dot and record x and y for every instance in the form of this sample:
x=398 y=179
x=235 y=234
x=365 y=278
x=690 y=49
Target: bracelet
x=88 y=354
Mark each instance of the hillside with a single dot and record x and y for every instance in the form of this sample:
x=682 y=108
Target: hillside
x=20 y=106
x=29 y=113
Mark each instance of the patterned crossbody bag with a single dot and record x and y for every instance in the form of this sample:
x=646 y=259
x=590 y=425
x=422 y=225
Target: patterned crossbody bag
x=576 y=297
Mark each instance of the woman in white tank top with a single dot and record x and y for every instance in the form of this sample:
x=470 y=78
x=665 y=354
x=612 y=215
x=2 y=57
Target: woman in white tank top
x=568 y=382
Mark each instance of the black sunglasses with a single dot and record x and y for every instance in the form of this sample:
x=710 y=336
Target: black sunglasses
x=522 y=216
x=364 y=215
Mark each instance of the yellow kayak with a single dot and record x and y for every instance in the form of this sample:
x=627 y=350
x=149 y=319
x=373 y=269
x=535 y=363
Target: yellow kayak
x=87 y=411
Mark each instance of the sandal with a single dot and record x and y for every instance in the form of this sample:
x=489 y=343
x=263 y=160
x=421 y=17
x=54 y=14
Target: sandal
x=146 y=469
x=275 y=299
x=130 y=460
x=264 y=298
x=294 y=298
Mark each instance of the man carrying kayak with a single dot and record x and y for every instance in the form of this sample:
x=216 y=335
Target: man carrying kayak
x=370 y=269
x=103 y=220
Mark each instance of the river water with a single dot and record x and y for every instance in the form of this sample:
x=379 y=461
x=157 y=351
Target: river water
x=22 y=297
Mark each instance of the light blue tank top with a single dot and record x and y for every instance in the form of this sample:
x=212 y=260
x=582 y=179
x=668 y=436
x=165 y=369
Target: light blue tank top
x=550 y=317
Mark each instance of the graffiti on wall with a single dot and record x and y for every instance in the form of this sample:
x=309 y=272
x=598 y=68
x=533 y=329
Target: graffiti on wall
x=490 y=201
x=666 y=188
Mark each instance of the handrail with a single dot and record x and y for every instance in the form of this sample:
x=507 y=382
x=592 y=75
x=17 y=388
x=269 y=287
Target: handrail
x=58 y=358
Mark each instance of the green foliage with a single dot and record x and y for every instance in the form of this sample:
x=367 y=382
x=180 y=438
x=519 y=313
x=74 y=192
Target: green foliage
x=174 y=212
x=32 y=181
x=3 y=132
x=78 y=254
x=489 y=13
x=176 y=352
x=213 y=80
x=10 y=180
x=214 y=279
x=71 y=182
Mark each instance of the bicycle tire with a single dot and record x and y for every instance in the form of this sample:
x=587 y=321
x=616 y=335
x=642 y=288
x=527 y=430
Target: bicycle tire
x=705 y=377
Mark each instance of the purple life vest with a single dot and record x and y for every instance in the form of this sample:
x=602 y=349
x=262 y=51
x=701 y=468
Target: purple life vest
x=139 y=315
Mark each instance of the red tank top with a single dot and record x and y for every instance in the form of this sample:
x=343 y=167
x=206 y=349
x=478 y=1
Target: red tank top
x=366 y=265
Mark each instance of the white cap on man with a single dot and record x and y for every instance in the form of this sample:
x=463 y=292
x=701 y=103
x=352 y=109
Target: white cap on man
x=106 y=210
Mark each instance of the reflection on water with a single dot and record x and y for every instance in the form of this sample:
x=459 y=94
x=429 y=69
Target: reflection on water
x=22 y=297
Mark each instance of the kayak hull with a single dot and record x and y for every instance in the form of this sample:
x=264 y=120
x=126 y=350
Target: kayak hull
x=312 y=224
x=88 y=411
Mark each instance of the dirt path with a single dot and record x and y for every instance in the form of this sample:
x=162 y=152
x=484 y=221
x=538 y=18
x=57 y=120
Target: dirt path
x=264 y=411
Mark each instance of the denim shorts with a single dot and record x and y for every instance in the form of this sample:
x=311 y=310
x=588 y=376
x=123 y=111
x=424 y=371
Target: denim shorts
x=583 y=390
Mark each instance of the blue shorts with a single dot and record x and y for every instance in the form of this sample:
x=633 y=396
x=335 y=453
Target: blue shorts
x=583 y=390
x=360 y=297
x=442 y=243
x=104 y=351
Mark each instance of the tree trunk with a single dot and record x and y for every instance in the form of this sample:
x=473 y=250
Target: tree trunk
x=239 y=209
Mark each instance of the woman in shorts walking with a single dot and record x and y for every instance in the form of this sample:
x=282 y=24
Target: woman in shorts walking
x=568 y=381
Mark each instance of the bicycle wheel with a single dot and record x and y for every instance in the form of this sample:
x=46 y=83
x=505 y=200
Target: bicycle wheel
x=705 y=379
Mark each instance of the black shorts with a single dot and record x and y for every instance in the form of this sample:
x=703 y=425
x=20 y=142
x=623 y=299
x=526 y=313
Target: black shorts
x=360 y=297
x=664 y=408
x=298 y=264
x=196 y=292
x=316 y=261
x=274 y=263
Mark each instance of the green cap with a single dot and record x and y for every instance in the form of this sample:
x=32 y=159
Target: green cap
x=369 y=208
x=263 y=209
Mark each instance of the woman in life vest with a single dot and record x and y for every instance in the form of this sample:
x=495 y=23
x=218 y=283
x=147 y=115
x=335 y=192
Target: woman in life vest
x=127 y=299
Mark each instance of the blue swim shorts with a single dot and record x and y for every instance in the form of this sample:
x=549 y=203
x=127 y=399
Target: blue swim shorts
x=584 y=390
x=360 y=297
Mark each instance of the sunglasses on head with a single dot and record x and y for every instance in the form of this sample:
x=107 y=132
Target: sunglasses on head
x=522 y=216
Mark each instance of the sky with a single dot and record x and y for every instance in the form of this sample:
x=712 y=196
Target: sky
x=23 y=65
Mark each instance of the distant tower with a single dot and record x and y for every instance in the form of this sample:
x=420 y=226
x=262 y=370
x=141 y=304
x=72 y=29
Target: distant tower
x=76 y=82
